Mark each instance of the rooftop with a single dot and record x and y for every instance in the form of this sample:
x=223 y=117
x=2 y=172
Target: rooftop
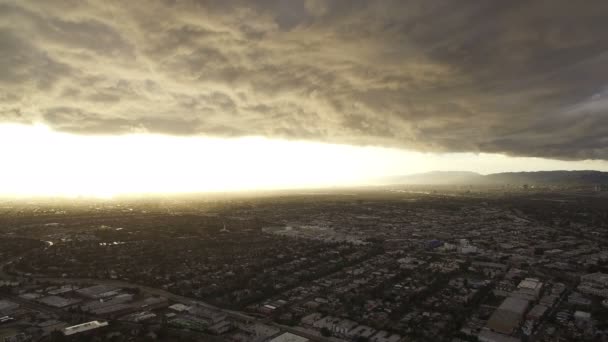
x=530 y=283
x=75 y=329
x=289 y=337
x=508 y=315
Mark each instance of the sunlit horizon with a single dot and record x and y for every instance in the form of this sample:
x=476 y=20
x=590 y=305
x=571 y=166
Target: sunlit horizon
x=43 y=162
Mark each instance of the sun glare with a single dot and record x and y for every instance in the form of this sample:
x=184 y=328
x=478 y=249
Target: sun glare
x=40 y=161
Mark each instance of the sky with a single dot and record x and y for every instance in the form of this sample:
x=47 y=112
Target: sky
x=323 y=92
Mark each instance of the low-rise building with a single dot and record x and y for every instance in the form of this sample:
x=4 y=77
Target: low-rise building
x=487 y=335
x=289 y=337
x=59 y=302
x=83 y=327
x=98 y=291
x=595 y=284
x=528 y=289
x=6 y=307
x=490 y=269
x=362 y=331
x=582 y=318
x=507 y=318
x=576 y=298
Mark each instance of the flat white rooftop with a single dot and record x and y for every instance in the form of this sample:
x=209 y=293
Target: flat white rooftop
x=75 y=329
x=530 y=283
x=289 y=337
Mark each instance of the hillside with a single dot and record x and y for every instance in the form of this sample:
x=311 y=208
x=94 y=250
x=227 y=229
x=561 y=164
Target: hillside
x=515 y=178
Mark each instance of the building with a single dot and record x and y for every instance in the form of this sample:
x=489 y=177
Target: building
x=80 y=328
x=179 y=307
x=220 y=327
x=447 y=247
x=212 y=316
x=344 y=326
x=490 y=269
x=11 y=335
x=533 y=318
x=62 y=290
x=577 y=299
x=597 y=279
x=289 y=337
x=58 y=302
x=190 y=322
x=114 y=311
x=582 y=318
x=465 y=247
x=487 y=335
x=327 y=322
x=7 y=307
x=503 y=288
x=507 y=318
x=600 y=187
x=260 y=331
x=309 y=320
x=433 y=244
x=98 y=291
x=111 y=307
x=362 y=331
x=549 y=300
x=595 y=284
x=383 y=336
x=49 y=326
x=151 y=303
x=537 y=312
x=139 y=316
x=528 y=289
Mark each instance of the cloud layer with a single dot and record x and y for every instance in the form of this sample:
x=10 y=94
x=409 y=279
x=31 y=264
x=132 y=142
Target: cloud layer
x=520 y=77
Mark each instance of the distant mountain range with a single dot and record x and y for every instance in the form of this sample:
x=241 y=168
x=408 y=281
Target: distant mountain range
x=514 y=178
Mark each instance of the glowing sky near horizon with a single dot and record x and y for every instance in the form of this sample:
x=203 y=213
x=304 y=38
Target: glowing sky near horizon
x=39 y=161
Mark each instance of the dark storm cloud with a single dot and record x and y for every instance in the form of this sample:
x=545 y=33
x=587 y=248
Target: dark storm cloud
x=521 y=77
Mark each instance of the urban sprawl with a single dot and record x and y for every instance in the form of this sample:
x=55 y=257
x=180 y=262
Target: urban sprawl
x=378 y=265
